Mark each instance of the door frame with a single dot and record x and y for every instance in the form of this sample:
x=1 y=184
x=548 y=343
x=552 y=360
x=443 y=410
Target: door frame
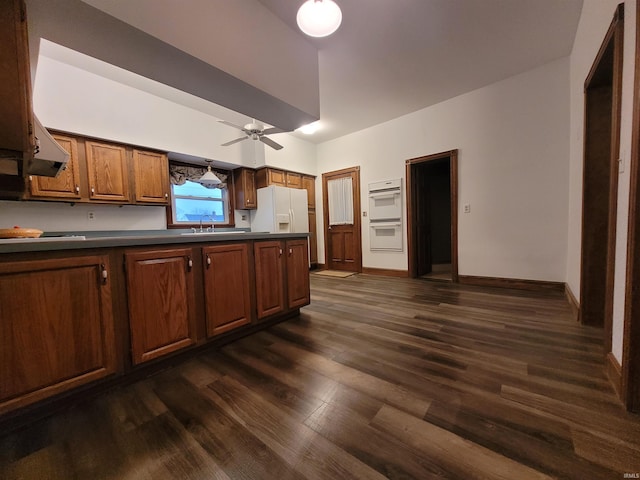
x=412 y=194
x=613 y=39
x=357 y=213
x=630 y=381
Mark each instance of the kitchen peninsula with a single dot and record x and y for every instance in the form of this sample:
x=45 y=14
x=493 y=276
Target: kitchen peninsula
x=78 y=314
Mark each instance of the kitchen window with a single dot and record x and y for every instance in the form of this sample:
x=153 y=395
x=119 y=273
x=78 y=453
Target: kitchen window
x=193 y=203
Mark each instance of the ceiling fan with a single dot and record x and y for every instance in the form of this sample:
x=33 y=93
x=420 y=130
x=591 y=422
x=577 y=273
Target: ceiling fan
x=254 y=131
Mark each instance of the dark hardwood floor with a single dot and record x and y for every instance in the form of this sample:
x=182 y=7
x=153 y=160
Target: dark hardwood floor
x=378 y=378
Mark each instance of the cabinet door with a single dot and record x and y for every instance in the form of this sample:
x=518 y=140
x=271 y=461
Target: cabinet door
x=313 y=238
x=244 y=185
x=151 y=176
x=16 y=112
x=226 y=287
x=297 y=273
x=67 y=183
x=56 y=327
x=161 y=302
x=269 y=278
x=309 y=184
x=294 y=180
x=276 y=177
x=107 y=171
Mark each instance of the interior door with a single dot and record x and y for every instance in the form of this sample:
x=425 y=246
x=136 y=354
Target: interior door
x=343 y=244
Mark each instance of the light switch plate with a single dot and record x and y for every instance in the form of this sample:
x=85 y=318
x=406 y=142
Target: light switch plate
x=467 y=208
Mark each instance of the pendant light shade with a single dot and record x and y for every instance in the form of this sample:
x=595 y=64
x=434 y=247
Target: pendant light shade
x=209 y=178
x=319 y=18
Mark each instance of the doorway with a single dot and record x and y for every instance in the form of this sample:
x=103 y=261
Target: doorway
x=342 y=234
x=603 y=88
x=432 y=216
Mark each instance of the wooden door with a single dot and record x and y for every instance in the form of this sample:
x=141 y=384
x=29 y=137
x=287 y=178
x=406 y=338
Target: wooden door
x=269 y=278
x=107 y=172
x=343 y=243
x=151 y=176
x=67 y=183
x=161 y=302
x=56 y=327
x=297 y=273
x=226 y=287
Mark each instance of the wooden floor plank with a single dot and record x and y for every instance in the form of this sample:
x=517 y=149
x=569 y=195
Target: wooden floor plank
x=377 y=378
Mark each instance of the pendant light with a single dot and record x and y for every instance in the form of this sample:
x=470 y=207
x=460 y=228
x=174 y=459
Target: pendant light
x=319 y=18
x=209 y=178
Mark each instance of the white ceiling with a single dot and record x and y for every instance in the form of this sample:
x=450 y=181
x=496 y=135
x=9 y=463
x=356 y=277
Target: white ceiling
x=393 y=57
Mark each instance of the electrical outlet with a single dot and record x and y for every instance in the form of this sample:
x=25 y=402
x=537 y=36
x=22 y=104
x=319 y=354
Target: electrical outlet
x=91 y=216
x=243 y=217
x=467 y=208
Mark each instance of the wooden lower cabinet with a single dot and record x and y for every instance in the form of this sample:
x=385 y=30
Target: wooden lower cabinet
x=269 y=277
x=297 y=273
x=56 y=327
x=161 y=302
x=282 y=281
x=226 y=287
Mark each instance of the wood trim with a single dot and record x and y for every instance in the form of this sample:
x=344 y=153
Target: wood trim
x=573 y=301
x=614 y=372
x=385 y=272
x=515 y=283
x=618 y=18
x=630 y=377
x=410 y=198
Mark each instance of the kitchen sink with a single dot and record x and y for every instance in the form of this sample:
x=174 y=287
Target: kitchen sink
x=196 y=234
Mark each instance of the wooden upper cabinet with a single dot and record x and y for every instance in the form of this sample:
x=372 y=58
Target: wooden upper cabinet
x=244 y=186
x=297 y=273
x=16 y=112
x=161 y=302
x=269 y=277
x=309 y=184
x=270 y=176
x=56 y=327
x=107 y=172
x=151 y=177
x=226 y=287
x=67 y=184
x=294 y=180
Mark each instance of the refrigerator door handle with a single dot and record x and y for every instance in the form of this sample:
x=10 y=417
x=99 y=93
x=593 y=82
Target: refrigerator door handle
x=293 y=221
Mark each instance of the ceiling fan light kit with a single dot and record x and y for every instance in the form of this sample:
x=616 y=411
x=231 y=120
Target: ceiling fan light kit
x=319 y=18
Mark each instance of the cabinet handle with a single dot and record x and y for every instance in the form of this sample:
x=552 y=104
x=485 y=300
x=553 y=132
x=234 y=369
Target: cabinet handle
x=93 y=190
x=166 y=196
x=189 y=263
x=77 y=188
x=104 y=274
x=30 y=178
x=208 y=261
x=280 y=252
x=290 y=251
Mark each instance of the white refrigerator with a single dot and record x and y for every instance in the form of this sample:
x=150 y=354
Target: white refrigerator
x=281 y=210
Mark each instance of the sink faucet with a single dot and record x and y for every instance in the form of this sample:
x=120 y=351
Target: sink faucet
x=209 y=229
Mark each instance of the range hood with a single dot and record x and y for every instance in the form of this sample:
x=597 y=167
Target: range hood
x=50 y=158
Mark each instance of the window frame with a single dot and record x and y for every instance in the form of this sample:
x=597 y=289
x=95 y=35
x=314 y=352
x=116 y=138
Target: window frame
x=227 y=199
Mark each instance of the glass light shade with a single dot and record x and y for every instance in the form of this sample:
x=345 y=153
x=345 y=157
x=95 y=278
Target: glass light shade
x=319 y=18
x=209 y=178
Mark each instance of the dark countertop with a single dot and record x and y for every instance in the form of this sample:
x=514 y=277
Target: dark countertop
x=66 y=241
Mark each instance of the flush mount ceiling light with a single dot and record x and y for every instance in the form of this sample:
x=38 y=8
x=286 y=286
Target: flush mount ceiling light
x=209 y=178
x=319 y=18
x=309 y=129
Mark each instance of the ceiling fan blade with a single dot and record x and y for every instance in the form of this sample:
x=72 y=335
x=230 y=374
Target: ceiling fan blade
x=269 y=131
x=271 y=143
x=233 y=141
x=231 y=124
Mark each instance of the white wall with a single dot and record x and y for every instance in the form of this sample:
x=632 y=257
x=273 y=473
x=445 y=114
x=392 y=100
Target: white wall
x=63 y=217
x=297 y=155
x=594 y=22
x=513 y=146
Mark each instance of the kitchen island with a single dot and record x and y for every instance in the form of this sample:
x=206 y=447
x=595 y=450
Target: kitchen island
x=77 y=315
